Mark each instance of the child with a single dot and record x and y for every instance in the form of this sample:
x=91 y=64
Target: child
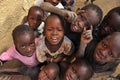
x=110 y=23
x=89 y=15
x=104 y=56
x=54 y=46
x=49 y=72
x=34 y=18
x=23 y=49
x=79 y=70
x=48 y=7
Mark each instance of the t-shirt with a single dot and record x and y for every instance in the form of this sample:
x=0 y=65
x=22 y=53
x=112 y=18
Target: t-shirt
x=65 y=48
x=12 y=53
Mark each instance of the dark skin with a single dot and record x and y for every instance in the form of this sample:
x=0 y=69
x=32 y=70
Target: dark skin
x=35 y=18
x=54 y=33
x=48 y=72
x=107 y=50
x=25 y=44
x=109 y=25
x=78 y=71
x=86 y=18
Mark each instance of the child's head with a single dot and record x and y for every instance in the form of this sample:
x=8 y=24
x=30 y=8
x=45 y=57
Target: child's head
x=24 y=40
x=49 y=72
x=79 y=70
x=54 y=29
x=108 y=49
x=35 y=16
x=53 y=2
x=110 y=23
x=90 y=15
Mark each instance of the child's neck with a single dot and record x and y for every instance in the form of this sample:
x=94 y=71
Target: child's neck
x=52 y=48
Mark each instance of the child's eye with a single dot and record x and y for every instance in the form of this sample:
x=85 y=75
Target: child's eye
x=32 y=44
x=23 y=46
x=60 y=30
x=49 y=29
x=104 y=45
x=111 y=54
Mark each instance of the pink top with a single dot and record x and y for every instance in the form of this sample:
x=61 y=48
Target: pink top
x=12 y=53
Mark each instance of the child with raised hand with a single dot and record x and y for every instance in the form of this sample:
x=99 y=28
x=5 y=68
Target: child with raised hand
x=24 y=49
x=88 y=15
x=55 y=45
x=34 y=20
x=49 y=72
x=78 y=70
x=104 y=56
x=86 y=37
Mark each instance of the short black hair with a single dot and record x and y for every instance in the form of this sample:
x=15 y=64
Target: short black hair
x=36 y=8
x=95 y=8
x=108 y=15
x=21 y=30
x=62 y=20
x=84 y=62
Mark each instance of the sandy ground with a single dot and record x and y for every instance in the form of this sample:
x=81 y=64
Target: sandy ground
x=13 y=11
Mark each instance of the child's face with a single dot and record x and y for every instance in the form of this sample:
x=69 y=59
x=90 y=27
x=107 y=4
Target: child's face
x=109 y=25
x=53 y=2
x=85 y=19
x=77 y=72
x=107 y=50
x=35 y=19
x=25 y=44
x=54 y=31
x=46 y=74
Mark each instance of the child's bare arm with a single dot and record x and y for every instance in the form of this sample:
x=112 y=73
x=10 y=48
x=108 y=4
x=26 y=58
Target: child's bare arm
x=58 y=59
x=69 y=15
x=86 y=37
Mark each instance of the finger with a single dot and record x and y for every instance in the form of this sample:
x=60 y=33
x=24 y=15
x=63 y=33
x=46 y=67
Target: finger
x=91 y=27
x=84 y=29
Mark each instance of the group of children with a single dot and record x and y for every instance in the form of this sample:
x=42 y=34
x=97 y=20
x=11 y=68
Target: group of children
x=73 y=46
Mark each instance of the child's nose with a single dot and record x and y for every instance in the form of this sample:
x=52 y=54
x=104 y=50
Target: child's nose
x=28 y=49
x=54 y=31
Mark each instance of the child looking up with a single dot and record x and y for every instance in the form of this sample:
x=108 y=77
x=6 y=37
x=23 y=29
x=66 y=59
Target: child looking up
x=105 y=55
x=54 y=46
x=89 y=15
x=23 y=48
x=34 y=20
x=49 y=72
x=78 y=70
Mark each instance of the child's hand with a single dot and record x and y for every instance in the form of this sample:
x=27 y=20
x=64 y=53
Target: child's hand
x=69 y=15
x=86 y=35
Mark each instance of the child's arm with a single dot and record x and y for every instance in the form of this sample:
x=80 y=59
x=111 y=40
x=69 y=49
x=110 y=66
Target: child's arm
x=58 y=59
x=69 y=15
x=86 y=37
x=7 y=55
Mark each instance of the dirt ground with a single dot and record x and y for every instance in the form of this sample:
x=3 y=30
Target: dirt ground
x=13 y=11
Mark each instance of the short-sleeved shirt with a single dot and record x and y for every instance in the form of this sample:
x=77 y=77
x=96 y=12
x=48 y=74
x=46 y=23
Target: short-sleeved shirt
x=65 y=48
x=12 y=53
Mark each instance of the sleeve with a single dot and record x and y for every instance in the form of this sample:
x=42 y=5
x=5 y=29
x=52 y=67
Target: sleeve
x=7 y=56
x=40 y=55
x=68 y=47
